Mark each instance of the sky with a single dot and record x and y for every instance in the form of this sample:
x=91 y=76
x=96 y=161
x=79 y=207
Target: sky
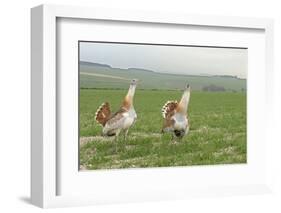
x=168 y=59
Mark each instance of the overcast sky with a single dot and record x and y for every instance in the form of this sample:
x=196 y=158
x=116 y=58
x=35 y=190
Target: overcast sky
x=168 y=59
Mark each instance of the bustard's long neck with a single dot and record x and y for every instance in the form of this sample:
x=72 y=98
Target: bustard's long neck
x=183 y=104
x=129 y=98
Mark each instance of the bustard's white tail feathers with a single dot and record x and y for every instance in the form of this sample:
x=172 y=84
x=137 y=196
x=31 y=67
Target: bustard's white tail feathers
x=103 y=114
x=169 y=108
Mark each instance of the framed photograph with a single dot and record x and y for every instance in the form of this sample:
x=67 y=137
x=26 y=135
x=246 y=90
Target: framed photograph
x=131 y=106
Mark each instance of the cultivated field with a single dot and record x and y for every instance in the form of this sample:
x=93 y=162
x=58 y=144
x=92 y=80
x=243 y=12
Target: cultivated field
x=103 y=76
x=217 y=135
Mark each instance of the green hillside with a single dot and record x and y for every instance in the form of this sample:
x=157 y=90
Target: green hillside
x=94 y=75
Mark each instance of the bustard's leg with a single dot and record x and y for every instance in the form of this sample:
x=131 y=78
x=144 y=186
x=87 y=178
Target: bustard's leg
x=117 y=134
x=116 y=139
x=173 y=140
x=125 y=134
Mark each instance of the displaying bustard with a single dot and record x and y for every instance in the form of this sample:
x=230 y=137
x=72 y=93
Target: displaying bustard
x=176 y=117
x=123 y=119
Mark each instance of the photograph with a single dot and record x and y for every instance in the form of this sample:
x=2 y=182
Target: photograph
x=161 y=105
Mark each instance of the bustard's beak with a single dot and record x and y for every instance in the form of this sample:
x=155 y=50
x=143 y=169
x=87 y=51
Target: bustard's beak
x=187 y=87
x=134 y=82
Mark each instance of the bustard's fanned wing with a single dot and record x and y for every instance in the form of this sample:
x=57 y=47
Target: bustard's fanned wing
x=103 y=114
x=169 y=108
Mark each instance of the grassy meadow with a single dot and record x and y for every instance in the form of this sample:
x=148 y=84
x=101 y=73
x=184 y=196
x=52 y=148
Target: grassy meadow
x=217 y=134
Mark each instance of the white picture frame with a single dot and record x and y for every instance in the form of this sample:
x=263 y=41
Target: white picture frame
x=45 y=169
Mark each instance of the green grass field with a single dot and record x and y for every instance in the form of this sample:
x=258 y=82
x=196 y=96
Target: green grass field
x=217 y=134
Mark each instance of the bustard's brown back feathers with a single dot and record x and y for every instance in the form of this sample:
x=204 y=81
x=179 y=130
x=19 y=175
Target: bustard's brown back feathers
x=169 y=108
x=103 y=114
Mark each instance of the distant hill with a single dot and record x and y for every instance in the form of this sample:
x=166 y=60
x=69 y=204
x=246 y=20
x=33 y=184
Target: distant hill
x=139 y=69
x=95 y=75
x=86 y=63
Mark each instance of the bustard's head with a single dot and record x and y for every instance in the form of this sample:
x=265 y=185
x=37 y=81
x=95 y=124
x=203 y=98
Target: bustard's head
x=187 y=87
x=134 y=82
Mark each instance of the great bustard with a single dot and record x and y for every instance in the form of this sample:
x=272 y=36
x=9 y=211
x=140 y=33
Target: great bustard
x=123 y=119
x=176 y=117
